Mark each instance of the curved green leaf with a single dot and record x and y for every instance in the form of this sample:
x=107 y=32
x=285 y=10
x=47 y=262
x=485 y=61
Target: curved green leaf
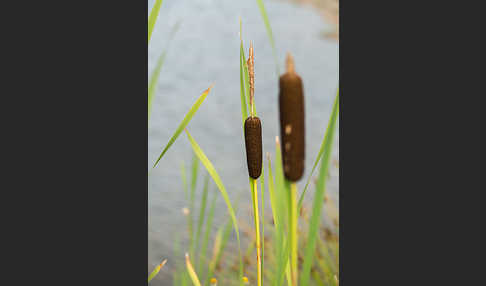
x=154 y=13
x=319 y=198
x=217 y=180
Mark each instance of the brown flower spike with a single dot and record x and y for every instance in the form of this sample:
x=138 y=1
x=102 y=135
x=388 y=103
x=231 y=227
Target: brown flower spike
x=292 y=125
x=253 y=127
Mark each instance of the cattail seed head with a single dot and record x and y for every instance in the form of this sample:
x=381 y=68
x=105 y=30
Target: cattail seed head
x=253 y=144
x=292 y=125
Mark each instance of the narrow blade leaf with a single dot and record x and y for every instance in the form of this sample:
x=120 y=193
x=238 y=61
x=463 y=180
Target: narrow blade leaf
x=192 y=273
x=217 y=180
x=156 y=270
x=318 y=198
x=269 y=32
x=184 y=123
x=154 y=13
x=321 y=150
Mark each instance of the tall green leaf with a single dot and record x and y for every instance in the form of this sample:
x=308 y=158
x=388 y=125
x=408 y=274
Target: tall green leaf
x=203 y=252
x=269 y=33
x=192 y=273
x=202 y=213
x=184 y=123
x=154 y=13
x=321 y=151
x=319 y=198
x=154 y=78
x=217 y=180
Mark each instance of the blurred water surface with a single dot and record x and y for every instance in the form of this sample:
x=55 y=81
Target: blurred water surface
x=205 y=50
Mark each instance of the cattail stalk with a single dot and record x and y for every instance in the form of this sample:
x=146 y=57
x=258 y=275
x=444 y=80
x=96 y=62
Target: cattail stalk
x=293 y=218
x=257 y=231
x=253 y=144
x=292 y=131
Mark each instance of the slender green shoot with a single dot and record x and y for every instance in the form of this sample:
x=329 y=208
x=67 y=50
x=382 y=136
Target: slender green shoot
x=184 y=180
x=269 y=33
x=192 y=273
x=154 y=78
x=184 y=123
x=321 y=151
x=318 y=198
x=209 y=224
x=202 y=213
x=194 y=171
x=156 y=270
x=217 y=180
x=203 y=258
x=243 y=98
x=154 y=13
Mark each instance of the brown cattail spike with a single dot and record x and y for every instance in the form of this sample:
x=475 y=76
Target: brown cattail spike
x=292 y=125
x=253 y=144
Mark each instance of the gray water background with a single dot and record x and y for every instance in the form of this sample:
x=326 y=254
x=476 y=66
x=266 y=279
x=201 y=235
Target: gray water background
x=205 y=50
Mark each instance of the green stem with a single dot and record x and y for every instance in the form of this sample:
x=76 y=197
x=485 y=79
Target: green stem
x=293 y=232
x=257 y=229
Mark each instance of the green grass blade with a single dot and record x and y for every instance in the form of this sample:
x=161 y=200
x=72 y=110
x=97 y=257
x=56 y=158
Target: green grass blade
x=246 y=79
x=321 y=150
x=203 y=252
x=224 y=241
x=194 y=171
x=276 y=218
x=244 y=111
x=216 y=250
x=220 y=242
x=202 y=213
x=244 y=106
x=192 y=273
x=281 y=191
x=154 y=78
x=269 y=32
x=319 y=198
x=184 y=180
x=177 y=277
x=271 y=191
x=184 y=123
x=154 y=13
x=156 y=270
x=217 y=180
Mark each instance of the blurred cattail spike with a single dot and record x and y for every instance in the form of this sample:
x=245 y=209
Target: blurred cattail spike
x=292 y=125
x=253 y=127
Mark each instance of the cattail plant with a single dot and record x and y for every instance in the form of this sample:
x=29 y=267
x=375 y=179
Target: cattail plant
x=253 y=128
x=253 y=144
x=292 y=132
